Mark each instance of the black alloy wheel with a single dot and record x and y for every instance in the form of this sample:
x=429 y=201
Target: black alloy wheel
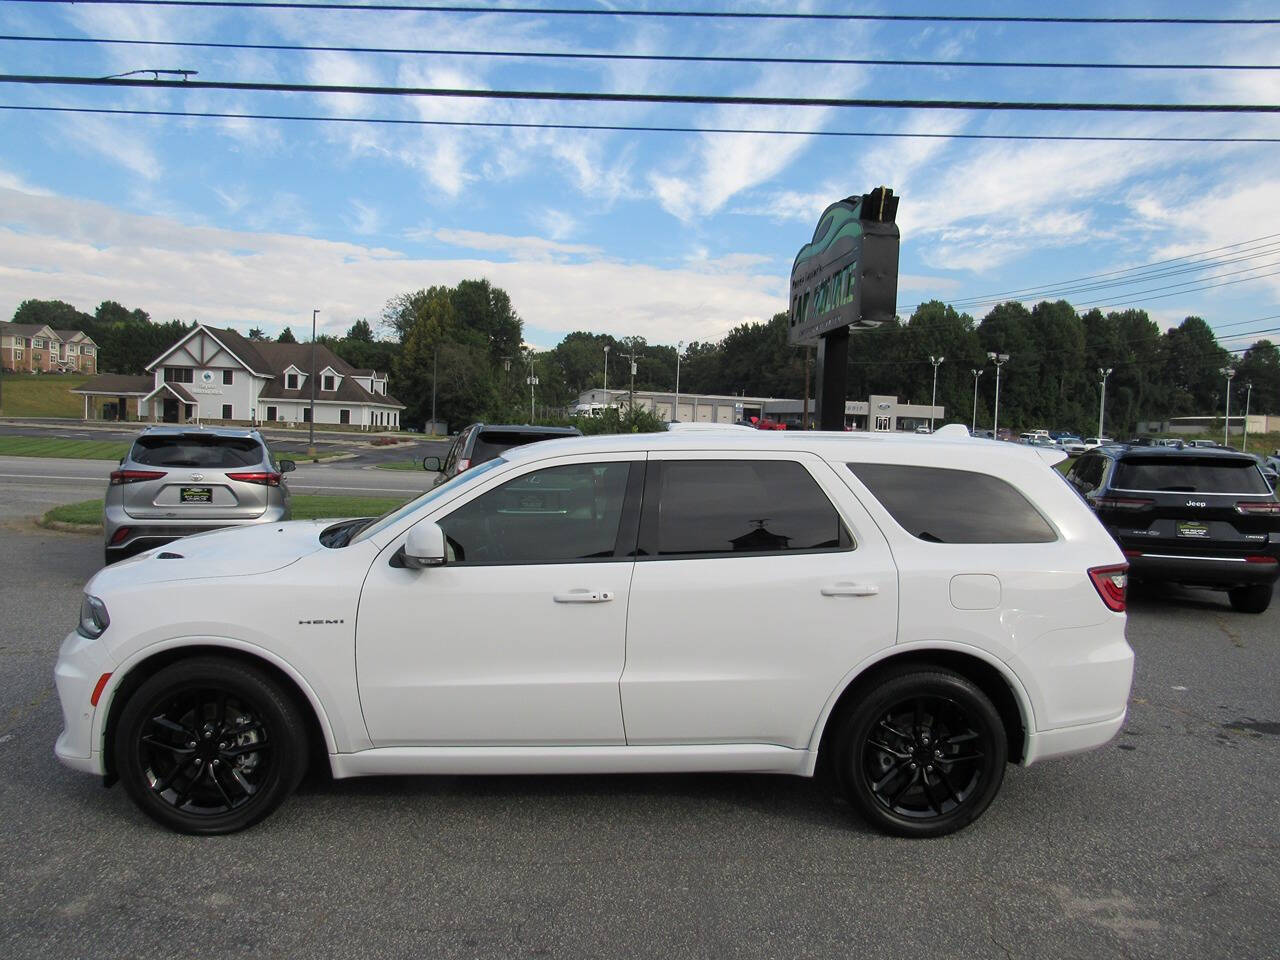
x=209 y=746
x=922 y=754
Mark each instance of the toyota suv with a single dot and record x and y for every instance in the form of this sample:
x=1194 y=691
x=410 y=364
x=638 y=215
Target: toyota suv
x=908 y=613
x=1197 y=516
x=176 y=481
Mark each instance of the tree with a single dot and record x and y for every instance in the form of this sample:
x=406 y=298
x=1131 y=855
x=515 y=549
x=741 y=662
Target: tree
x=286 y=336
x=361 y=331
x=256 y=334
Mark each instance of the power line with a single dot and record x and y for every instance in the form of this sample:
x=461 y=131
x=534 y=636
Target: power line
x=647 y=57
x=633 y=128
x=671 y=14
x=665 y=98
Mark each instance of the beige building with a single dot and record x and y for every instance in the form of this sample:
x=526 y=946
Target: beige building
x=37 y=348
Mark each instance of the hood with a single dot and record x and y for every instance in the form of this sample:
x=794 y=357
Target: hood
x=245 y=551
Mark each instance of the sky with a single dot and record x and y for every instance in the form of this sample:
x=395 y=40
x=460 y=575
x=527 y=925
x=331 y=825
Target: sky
x=669 y=236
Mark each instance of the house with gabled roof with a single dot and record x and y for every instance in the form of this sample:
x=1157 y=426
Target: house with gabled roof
x=38 y=348
x=216 y=374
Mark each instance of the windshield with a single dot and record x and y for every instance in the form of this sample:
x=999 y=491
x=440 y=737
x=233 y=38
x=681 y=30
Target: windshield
x=398 y=514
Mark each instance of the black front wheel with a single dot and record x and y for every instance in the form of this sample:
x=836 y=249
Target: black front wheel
x=209 y=746
x=922 y=754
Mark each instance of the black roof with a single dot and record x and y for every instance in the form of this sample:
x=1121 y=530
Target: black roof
x=1173 y=453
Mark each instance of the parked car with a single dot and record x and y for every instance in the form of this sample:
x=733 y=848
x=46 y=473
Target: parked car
x=1091 y=442
x=481 y=442
x=1071 y=443
x=1214 y=444
x=1201 y=517
x=681 y=601
x=1268 y=466
x=176 y=481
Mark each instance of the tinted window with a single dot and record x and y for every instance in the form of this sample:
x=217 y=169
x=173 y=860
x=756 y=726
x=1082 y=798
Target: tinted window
x=556 y=515
x=1189 y=475
x=954 y=506
x=1086 y=473
x=197 y=451
x=491 y=443
x=742 y=506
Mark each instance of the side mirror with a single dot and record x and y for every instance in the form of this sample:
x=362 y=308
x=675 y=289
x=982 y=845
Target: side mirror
x=431 y=464
x=287 y=466
x=424 y=547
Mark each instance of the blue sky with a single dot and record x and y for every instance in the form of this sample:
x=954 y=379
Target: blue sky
x=668 y=236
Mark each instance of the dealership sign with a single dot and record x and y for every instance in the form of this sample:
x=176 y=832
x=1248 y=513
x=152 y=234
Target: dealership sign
x=847 y=275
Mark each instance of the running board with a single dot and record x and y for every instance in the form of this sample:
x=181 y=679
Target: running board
x=691 y=758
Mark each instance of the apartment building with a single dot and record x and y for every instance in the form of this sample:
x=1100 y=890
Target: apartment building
x=37 y=348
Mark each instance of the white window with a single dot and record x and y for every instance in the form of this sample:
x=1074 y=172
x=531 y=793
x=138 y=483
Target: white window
x=327 y=383
x=291 y=381
x=37 y=343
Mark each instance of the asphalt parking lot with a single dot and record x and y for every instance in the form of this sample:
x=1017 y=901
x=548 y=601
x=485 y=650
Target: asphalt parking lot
x=1162 y=844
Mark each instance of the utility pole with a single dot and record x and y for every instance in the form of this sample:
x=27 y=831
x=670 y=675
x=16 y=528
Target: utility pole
x=311 y=432
x=1102 y=403
x=976 y=375
x=937 y=362
x=675 y=408
x=1247 y=397
x=999 y=359
x=1229 y=373
x=633 y=357
x=435 y=355
x=804 y=421
x=606 y=373
x=533 y=382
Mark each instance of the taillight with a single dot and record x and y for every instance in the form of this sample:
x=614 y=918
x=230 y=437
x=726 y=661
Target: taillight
x=1110 y=582
x=121 y=534
x=464 y=465
x=266 y=478
x=134 y=476
x=1122 y=503
x=1263 y=507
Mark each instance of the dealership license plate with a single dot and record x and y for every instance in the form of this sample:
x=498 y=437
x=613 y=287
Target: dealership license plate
x=196 y=494
x=1191 y=528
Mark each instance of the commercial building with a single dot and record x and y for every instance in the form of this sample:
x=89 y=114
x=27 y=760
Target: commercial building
x=884 y=414
x=217 y=375
x=37 y=348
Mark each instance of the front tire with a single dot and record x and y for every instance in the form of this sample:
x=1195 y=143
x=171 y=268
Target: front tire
x=922 y=754
x=209 y=746
x=1253 y=599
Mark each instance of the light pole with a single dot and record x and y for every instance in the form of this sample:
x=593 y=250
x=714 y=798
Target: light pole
x=1102 y=403
x=999 y=359
x=606 y=373
x=675 y=409
x=311 y=431
x=1229 y=373
x=1247 y=397
x=976 y=375
x=937 y=362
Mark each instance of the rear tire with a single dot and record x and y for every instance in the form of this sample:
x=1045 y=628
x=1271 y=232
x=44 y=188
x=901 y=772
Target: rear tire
x=922 y=754
x=1254 y=599
x=210 y=745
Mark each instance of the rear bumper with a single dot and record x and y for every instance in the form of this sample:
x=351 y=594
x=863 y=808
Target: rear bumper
x=147 y=533
x=1044 y=744
x=1208 y=571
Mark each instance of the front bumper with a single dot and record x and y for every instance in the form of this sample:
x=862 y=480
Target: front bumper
x=1199 y=570
x=81 y=662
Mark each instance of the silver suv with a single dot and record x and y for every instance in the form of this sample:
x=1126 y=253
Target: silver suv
x=177 y=481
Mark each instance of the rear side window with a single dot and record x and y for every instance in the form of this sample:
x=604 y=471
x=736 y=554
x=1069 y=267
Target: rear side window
x=954 y=506
x=1189 y=475
x=197 y=450
x=739 y=507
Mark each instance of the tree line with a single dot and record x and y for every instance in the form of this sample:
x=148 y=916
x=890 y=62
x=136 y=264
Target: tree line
x=464 y=346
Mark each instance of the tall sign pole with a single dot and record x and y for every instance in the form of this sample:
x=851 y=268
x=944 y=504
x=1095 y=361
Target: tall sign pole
x=845 y=278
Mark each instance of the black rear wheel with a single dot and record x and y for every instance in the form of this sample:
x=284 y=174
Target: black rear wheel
x=1254 y=599
x=922 y=754
x=209 y=746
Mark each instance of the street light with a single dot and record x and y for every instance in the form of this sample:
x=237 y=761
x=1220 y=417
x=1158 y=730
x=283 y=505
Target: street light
x=606 y=373
x=937 y=362
x=999 y=359
x=976 y=375
x=1102 y=403
x=533 y=382
x=675 y=410
x=1230 y=374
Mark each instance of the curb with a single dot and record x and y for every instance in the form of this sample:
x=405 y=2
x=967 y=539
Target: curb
x=64 y=527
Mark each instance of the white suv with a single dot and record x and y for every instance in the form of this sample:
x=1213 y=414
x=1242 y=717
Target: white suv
x=690 y=601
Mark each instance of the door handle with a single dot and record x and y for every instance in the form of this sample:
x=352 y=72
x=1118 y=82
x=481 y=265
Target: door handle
x=583 y=596
x=850 y=590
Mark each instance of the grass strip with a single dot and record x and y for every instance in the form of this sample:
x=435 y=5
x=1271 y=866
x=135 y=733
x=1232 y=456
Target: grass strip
x=305 y=507
x=11 y=446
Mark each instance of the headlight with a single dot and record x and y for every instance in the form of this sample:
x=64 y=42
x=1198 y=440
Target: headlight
x=93 y=618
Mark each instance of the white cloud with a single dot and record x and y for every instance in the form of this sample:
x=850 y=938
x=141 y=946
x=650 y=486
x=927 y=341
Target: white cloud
x=85 y=252
x=524 y=248
x=366 y=219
